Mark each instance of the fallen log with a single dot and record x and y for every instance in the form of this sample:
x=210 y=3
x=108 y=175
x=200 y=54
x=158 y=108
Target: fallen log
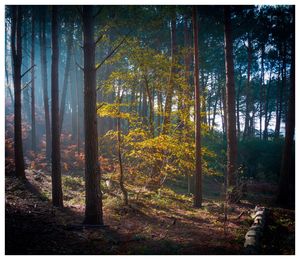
x=253 y=237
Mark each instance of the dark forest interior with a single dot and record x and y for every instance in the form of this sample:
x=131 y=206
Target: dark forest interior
x=150 y=129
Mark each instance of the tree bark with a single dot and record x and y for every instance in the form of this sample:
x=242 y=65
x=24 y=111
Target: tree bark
x=57 y=196
x=278 y=106
x=261 y=94
x=230 y=102
x=93 y=196
x=66 y=77
x=170 y=87
x=16 y=45
x=151 y=107
x=248 y=89
x=198 y=155
x=121 y=178
x=266 y=104
x=33 y=131
x=45 y=82
x=286 y=194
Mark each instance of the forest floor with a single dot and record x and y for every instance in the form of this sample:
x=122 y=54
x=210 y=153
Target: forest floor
x=161 y=222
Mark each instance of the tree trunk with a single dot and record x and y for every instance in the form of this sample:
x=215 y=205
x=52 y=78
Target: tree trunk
x=286 y=194
x=16 y=45
x=265 y=134
x=170 y=87
x=248 y=90
x=238 y=104
x=57 y=196
x=45 y=83
x=230 y=102
x=33 y=132
x=151 y=108
x=223 y=98
x=278 y=107
x=198 y=166
x=261 y=94
x=121 y=178
x=93 y=197
x=66 y=77
x=74 y=104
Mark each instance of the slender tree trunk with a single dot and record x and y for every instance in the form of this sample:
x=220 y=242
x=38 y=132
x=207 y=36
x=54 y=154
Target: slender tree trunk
x=248 y=90
x=16 y=45
x=286 y=194
x=151 y=108
x=121 y=178
x=170 y=88
x=223 y=98
x=160 y=110
x=45 y=82
x=66 y=77
x=265 y=134
x=203 y=97
x=74 y=104
x=198 y=168
x=33 y=132
x=230 y=102
x=278 y=107
x=57 y=196
x=238 y=104
x=261 y=90
x=93 y=198
x=187 y=65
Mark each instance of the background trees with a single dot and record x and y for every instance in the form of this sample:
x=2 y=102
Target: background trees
x=143 y=94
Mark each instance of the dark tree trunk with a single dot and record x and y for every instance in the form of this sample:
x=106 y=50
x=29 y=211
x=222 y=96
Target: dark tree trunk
x=66 y=77
x=151 y=107
x=74 y=104
x=121 y=177
x=160 y=110
x=262 y=90
x=33 y=132
x=266 y=104
x=278 y=106
x=238 y=104
x=198 y=168
x=16 y=45
x=57 y=196
x=203 y=97
x=223 y=99
x=248 y=90
x=230 y=102
x=187 y=68
x=45 y=82
x=170 y=87
x=286 y=194
x=93 y=196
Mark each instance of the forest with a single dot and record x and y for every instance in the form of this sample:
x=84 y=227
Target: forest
x=149 y=129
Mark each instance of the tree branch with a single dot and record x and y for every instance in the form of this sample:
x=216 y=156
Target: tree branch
x=27 y=84
x=27 y=71
x=110 y=54
x=79 y=66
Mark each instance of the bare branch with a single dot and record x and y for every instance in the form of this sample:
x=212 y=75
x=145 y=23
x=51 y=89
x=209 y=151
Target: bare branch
x=99 y=39
x=79 y=66
x=110 y=54
x=28 y=71
x=27 y=84
x=102 y=35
